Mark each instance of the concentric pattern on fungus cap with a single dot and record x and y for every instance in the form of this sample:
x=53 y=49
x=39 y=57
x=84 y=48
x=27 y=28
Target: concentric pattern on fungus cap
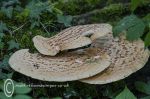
x=71 y=38
x=63 y=67
x=126 y=58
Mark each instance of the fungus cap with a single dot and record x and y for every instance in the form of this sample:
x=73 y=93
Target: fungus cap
x=126 y=58
x=71 y=38
x=63 y=67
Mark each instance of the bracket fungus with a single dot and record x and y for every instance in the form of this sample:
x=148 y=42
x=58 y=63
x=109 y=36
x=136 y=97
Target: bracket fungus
x=71 y=38
x=107 y=60
x=66 y=66
x=126 y=58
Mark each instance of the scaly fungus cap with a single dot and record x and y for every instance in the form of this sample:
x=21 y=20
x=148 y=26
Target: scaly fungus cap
x=65 y=66
x=126 y=58
x=71 y=38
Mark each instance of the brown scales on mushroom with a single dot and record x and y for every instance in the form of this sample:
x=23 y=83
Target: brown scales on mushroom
x=64 y=67
x=119 y=56
x=71 y=38
x=126 y=58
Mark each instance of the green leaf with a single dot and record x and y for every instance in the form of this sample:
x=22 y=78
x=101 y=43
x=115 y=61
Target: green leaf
x=21 y=88
x=66 y=20
x=2 y=35
x=147 y=97
x=24 y=14
x=5 y=76
x=58 y=11
x=132 y=26
x=142 y=87
x=34 y=23
x=1 y=45
x=3 y=27
x=22 y=97
x=12 y=44
x=4 y=62
x=136 y=31
x=126 y=94
x=1 y=84
x=70 y=92
x=135 y=4
x=7 y=11
x=3 y=96
x=36 y=8
x=147 y=39
x=110 y=91
x=147 y=17
x=147 y=20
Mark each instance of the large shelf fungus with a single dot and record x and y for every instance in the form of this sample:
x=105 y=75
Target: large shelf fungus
x=71 y=38
x=107 y=60
x=63 y=67
x=126 y=58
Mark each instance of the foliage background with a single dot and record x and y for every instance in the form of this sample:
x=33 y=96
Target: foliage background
x=21 y=20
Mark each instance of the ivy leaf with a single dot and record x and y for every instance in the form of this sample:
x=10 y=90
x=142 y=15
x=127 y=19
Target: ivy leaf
x=4 y=62
x=132 y=26
x=22 y=90
x=147 y=39
x=5 y=76
x=36 y=8
x=135 y=4
x=34 y=11
x=7 y=11
x=66 y=20
x=126 y=94
x=142 y=87
x=3 y=27
x=12 y=44
x=22 y=97
x=7 y=7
